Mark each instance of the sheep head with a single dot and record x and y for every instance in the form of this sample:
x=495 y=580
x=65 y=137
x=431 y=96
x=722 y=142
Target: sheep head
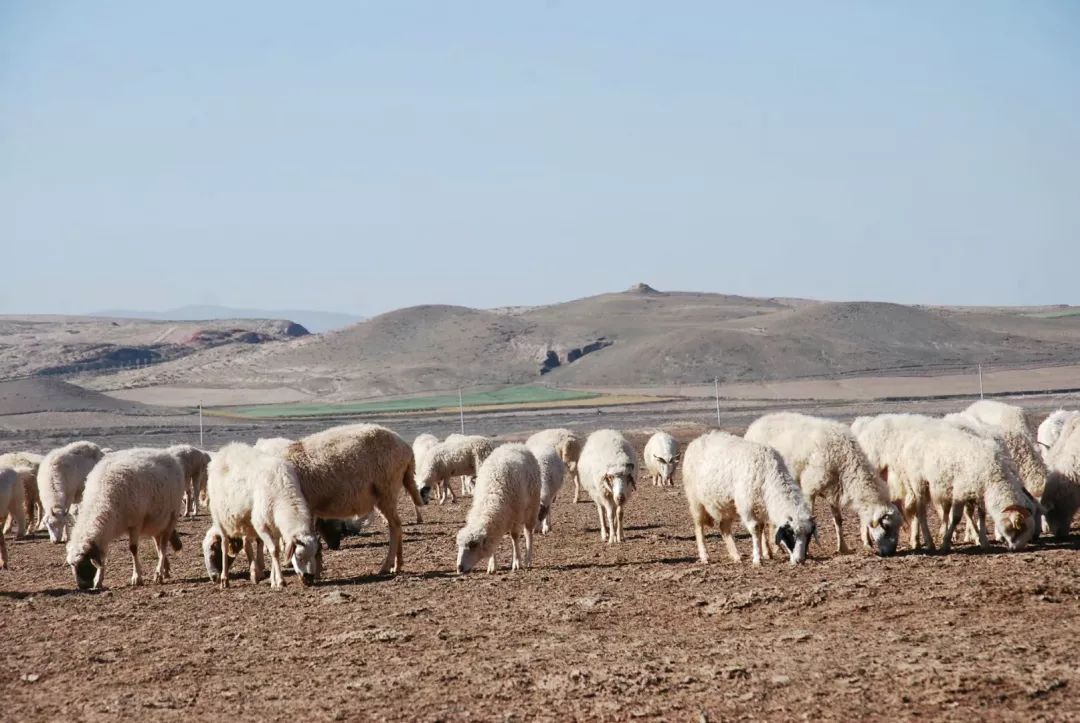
x=619 y=483
x=304 y=552
x=794 y=536
x=1017 y=525
x=884 y=527
x=88 y=564
x=473 y=546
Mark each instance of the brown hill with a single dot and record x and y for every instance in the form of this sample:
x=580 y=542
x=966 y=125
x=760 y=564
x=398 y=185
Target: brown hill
x=640 y=337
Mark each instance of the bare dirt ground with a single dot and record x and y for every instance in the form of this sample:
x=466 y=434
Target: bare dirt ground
x=592 y=631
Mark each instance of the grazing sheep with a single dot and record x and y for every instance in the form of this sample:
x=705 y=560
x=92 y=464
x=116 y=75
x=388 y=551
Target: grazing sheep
x=1050 y=429
x=274 y=445
x=1061 y=498
x=136 y=491
x=422 y=445
x=458 y=456
x=930 y=461
x=607 y=466
x=552 y=476
x=1011 y=425
x=352 y=469
x=11 y=504
x=60 y=482
x=194 y=462
x=256 y=496
x=506 y=501
x=661 y=457
x=568 y=444
x=827 y=461
x=725 y=476
x=25 y=465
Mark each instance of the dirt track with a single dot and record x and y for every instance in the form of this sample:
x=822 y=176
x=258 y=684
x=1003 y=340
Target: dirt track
x=591 y=632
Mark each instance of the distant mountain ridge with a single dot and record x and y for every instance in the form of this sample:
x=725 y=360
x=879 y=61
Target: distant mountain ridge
x=314 y=321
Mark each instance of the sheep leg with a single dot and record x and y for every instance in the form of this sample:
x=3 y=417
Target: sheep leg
x=577 y=487
x=700 y=518
x=970 y=527
x=161 y=572
x=450 y=490
x=133 y=547
x=611 y=536
x=3 y=554
x=224 y=582
x=603 y=529
x=528 y=534
x=924 y=525
x=755 y=541
x=253 y=550
x=277 y=578
x=515 y=559
x=838 y=522
x=28 y=513
x=981 y=528
x=766 y=546
x=491 y=565
x=729 y=540
x=955 y=515
x=393 y=562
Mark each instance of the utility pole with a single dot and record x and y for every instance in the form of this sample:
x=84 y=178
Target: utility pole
x=461 y=410
x=716 y=387
x=980 y=383
x=201 y=445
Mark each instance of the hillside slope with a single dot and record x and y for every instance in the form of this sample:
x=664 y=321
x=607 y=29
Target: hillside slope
x=640 y=337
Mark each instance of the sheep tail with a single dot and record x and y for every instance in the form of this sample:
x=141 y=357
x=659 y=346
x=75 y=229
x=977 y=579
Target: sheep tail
x=409 y=483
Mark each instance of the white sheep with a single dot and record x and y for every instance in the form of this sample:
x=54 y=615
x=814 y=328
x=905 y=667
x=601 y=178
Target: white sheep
x=257 y=497
x=506 y=501
x=1050 y=429
x=1061 y=498
x=826 y=460
x=661 y=458
x=137 y=492
x=422 y=445
x=352 y=469
x=607 y=466
x=568 y=444
x=194 y=462
x=25 y=467
x=1012 y=429
x=725 y=476
x=11 y=504
x=930 y=461
x=457 y=456
x=552 y=476
x=274 y=445
x=60 y=481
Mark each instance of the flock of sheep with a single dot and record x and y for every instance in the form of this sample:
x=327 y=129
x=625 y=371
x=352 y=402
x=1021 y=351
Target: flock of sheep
x=277 y=498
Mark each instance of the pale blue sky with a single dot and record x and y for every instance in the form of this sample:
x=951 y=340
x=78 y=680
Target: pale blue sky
x=362 y=156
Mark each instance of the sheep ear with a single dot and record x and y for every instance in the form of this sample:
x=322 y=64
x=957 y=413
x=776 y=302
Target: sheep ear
x=875 y=523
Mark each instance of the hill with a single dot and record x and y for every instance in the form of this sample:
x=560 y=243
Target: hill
x=316 y=322
x=640 y=337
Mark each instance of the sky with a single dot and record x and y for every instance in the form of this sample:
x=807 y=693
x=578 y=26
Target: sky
x=365 y=156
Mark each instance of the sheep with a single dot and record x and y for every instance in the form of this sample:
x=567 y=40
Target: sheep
x=136 y=491
x=725 y=476
x=11 y=503
x=826 y=460
x=194 y=462
x=929 y=461
x=60 y=482
x=1061 y=498
x=277 y=446
x=661 y=457
x=257 y=497
x=1050 y=429
x=506 y=501
x=607 y=466
x=1011 y=425
x=25 y=466
x=350 y=470
x=568 y=445
x=552 y=476
x=422 y=445
x=457 y=456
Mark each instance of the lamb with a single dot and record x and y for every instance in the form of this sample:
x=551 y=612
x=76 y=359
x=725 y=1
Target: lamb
x=506 y=501
x=136 y=491
x=25 y=465
x=60 y=481
x=1050 y=429
x=931 y=461
x=568 y=445
x=607 y=466
x=257 y=497
x=826 y=460
x=352 y=469
x=1061 y=498
x=725 y=476
x=457 y=456
x=194 y=462
x=661 y=457
x=552 y=476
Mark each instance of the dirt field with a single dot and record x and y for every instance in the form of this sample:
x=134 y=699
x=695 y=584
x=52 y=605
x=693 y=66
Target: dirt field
x=593 y=631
